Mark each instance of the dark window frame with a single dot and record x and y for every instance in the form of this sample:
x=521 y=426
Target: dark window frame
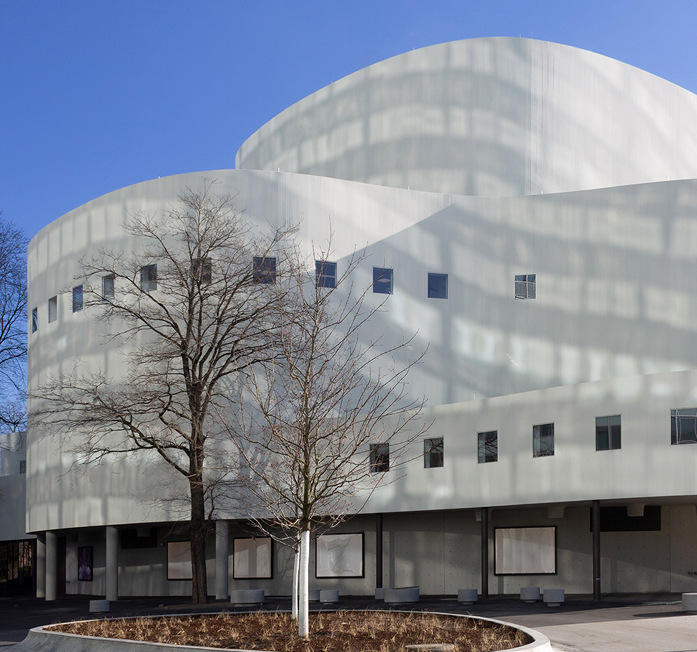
x=383 y=280
x=437 y=285
x=78 y=301
x=683 y=426
x=108 y=293
x=608 y=436
x=488 y=446
x=325 y=274
x=379 y=458
x=543 y=440
x=433 y=453
x=264 y=269
x=148 y=277
x=526 y=286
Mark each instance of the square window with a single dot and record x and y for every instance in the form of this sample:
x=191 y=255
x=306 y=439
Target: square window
x=52 y=309
x=379 y=458
x=608 y=433
x=264 y=269
x=108 y=287
x=204 y=269
x=325 y=274
x=34 y=320
x=488 y=446
x=77 y=298
x=437 y=286
x=683 y=426
x=433 y=453
x=525 y=286
x=382 y=280
x=543 y=440
x=148 y=278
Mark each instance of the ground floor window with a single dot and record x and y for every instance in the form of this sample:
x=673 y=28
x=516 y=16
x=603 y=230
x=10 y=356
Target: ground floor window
x=16 y=565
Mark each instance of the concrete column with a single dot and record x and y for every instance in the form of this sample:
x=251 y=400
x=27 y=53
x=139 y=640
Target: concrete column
x=112 y=563
x=378 y=551
x=51 y=565
x=485 y=552
x=221 y=560
x=595 y=522
x=40 y=569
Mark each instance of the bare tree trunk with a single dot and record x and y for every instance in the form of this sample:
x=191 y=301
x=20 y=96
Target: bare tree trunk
x=304 y=603
x=199 y=581
x=296 y=572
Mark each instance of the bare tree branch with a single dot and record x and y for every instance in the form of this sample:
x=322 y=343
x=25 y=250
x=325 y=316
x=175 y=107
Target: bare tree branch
x=306 y=435
x=190 y=307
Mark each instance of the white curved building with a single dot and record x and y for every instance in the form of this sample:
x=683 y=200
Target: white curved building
x=536 y=205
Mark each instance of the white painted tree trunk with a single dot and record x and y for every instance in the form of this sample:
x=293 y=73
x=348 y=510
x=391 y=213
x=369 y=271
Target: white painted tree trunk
x=304 y=603
x=296 y=571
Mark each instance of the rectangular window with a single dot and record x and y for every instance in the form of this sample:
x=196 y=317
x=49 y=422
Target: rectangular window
x=325 y=274
x=379 y=458
x=108 y=287
x=52 y=309
x=525 y=286
x=437 y=286
x=34 y=320
x=382 y=280
x=205 y=270
x=264 y=269
x=22 y=466
x=433 y=453
x=543 y=440
x=148 y=278
x=608 y=433
x=683 y=426
x=488 y=446
x=77 y=298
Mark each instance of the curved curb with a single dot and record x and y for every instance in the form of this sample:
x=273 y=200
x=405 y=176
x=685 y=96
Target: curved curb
x=41 y=639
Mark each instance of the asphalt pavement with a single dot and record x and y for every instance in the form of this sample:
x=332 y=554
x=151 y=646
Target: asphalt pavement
x=633 y=623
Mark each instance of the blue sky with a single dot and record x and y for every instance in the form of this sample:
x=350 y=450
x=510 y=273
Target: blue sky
x=96 y=95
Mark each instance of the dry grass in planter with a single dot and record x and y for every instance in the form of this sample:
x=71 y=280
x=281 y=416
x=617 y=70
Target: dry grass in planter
x=338 y=631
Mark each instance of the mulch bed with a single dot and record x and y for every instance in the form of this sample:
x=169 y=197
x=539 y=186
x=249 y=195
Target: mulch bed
x=339 y=631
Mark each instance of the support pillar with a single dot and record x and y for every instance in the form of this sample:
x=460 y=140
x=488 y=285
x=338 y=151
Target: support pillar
x=112 y=563
x=41 y=565
x=595 y=521
x=485 y=552
x=221 y=560
x=51 y=566
x=378 y=551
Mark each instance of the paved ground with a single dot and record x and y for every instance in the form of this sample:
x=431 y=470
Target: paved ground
x=633 y=623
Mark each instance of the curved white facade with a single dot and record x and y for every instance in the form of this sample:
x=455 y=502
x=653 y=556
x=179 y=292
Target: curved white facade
x=485 y=160
x=489 y=116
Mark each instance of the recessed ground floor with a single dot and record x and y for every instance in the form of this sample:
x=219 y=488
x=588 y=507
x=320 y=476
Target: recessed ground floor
x=634 y=547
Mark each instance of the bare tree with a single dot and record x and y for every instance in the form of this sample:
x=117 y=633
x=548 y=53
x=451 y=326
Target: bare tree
x=328 y=419
x=194 y=302
x=13 y=322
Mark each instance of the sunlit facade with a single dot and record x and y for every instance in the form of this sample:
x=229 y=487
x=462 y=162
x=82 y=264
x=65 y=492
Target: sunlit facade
x=527 y=210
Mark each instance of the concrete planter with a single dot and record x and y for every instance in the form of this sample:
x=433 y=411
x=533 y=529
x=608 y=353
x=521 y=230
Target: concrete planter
x=40 y=639
x=553 y=597
x=529 y=593
x=408 y=594
x=247 y=596
x=467 y=596
x=689 y=603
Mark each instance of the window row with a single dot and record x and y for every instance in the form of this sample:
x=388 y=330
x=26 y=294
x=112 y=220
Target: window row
x=264 y=271
x=433 y=455
x=608 y=436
